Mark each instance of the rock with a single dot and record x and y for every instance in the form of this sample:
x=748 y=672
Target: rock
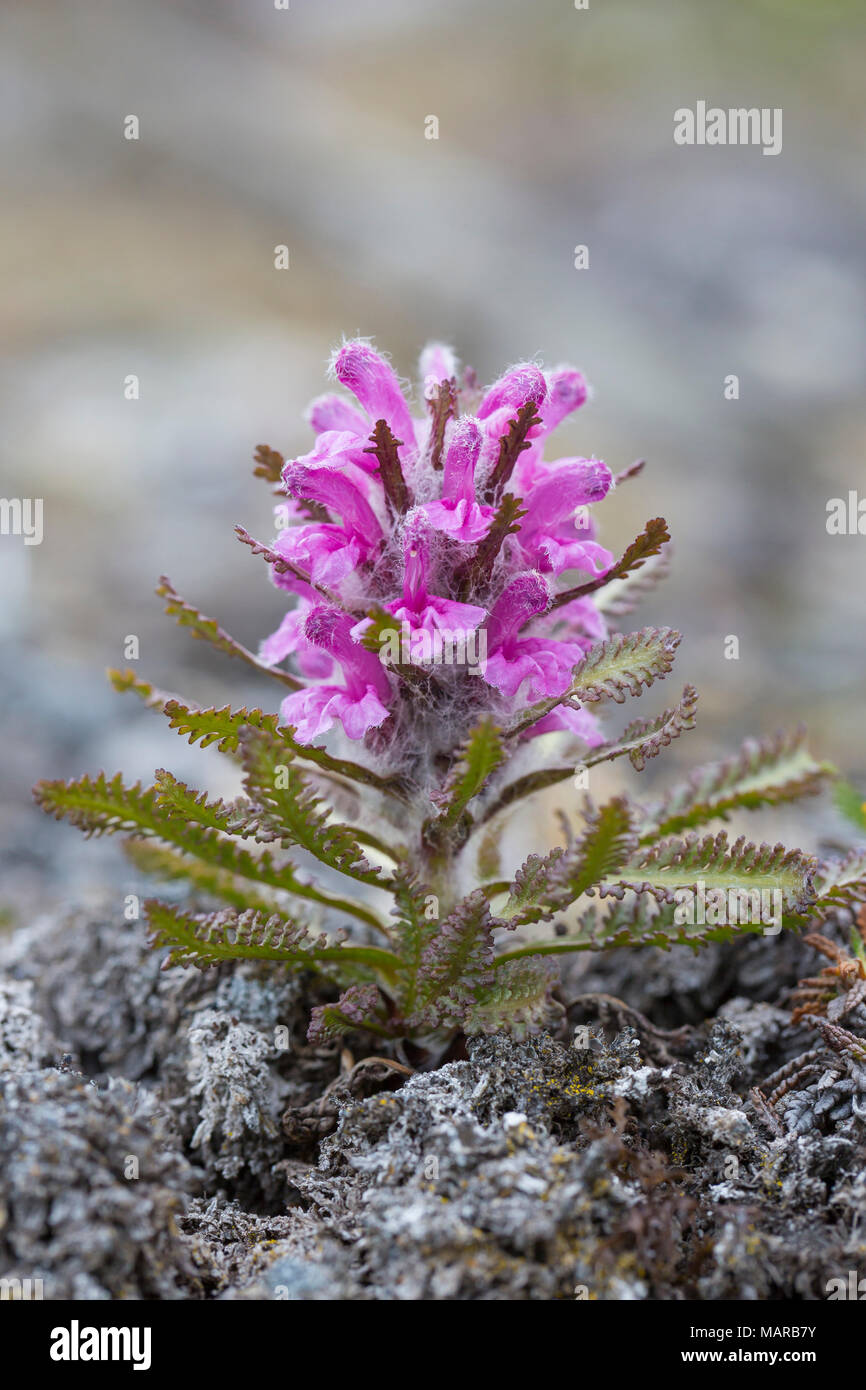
x=626 y=1162
x=92 y=1189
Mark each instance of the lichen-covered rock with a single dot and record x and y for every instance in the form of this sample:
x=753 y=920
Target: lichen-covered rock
x=289 y=1257
x=224 y=1050
x=101 y=989
x=536 y=1171
x=26 y=1042
x=233 y=1092
x=635 y=1158
x=92 y=1189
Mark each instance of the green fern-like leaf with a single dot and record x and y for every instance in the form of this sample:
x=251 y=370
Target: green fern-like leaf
x=719 y=865
x=457 y=963
x=645 y=738
x=479 y=757
x=841 y=882
x=764 y=773
x=219 y=726
x=641 y=920
x=98 y=806
x=519 y=998
x=411 y=932
x=358 y=1008
x=223 y=727
x=278 y=787
x=621 y=666
x=544 y=886
x=208 y=630
x=642 y=740
x=215 y=937
x=175 y=798
x=129 y=681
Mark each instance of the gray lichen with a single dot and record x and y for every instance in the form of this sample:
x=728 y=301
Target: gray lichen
x=633 y=1157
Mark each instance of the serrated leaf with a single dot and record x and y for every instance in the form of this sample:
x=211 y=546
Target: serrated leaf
x=279 y=789
x=223 y=727
x=719 y=865
x=411 y=932
x=280 y=565
x=641 y=740
x=619 y=597
x=624 y=665
x=511 y=445
x=129 y=681
x=654 y=536
x=478 y=758
x=476 y=571
x=208 y=630
x=384 y=446
x=219 y=726
x=842 y=882
x=764 y=773
x=645 y=738
x=269 y=464
x=545 y=886
x=640 y=920
x=208 y=939
x=518 y=999
x=621 y=666
x=175 y=798
x=529 y=894
x=98 y=806
x=359 y=1007
x=456 y=963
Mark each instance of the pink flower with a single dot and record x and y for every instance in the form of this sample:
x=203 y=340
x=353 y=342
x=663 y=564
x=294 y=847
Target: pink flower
x=543 y=665
x=438 y=363
x=553 y=534
x=578 y=722
x=375 y=385
x=514 y=388
x=392 y=512
x=359 y=704
x=331 y=413
x=418 y=611
x=458 y=514
x=290 y=639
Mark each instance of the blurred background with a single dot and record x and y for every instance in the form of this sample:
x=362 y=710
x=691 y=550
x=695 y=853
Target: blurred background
x=306 y=128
